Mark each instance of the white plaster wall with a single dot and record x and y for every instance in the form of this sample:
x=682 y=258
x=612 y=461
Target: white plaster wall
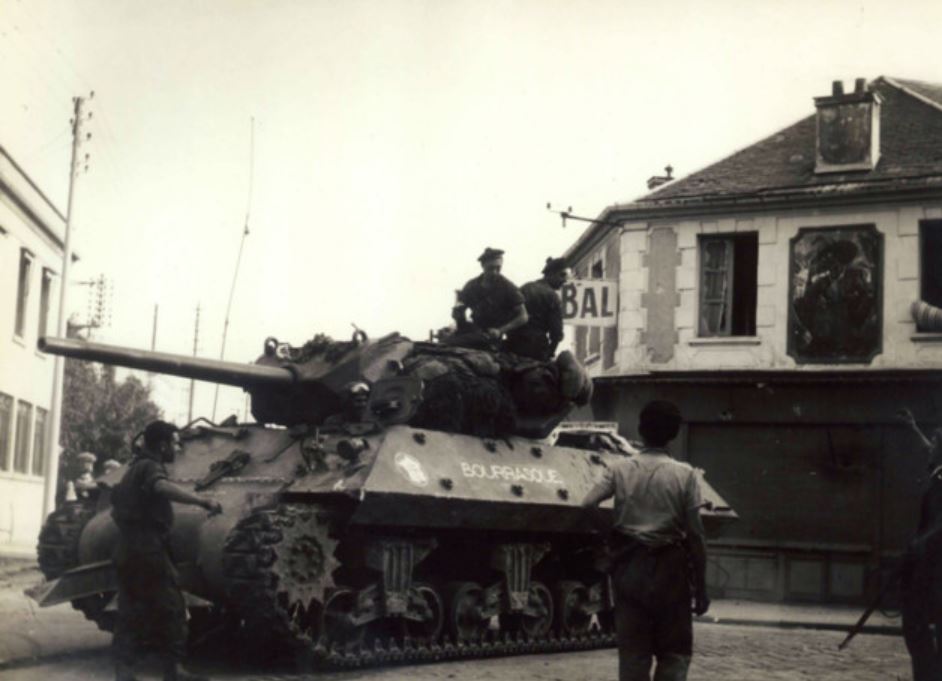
x=902 y=347
x=21 y=503
x=25 y=373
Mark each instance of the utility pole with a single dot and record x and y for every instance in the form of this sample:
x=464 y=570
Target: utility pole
x=78 y=163
x=196 y=338
x=153 y=333
x=153 y=344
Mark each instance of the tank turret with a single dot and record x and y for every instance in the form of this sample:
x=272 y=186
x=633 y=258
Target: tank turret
x=428 y=384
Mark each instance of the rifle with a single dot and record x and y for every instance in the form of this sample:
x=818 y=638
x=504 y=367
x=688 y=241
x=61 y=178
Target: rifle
x=894 y=575
x=891 y=579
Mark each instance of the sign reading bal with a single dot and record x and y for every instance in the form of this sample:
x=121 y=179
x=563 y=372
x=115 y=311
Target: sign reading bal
x=589 y=302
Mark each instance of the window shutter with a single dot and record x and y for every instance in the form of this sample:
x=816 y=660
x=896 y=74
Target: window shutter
x=716 y=290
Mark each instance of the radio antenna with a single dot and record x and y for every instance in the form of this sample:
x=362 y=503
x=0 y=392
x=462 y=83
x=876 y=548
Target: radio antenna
x=235 y=274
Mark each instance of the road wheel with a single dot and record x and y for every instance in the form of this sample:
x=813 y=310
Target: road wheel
x=464 y=621
x=571 y=616
x=337 y=624
x=428 y=629
x=538 y=621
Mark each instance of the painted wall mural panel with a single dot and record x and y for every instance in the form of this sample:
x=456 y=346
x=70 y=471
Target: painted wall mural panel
x=835 y=295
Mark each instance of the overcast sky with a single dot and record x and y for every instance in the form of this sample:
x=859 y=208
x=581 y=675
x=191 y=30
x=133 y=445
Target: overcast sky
x=393 y=140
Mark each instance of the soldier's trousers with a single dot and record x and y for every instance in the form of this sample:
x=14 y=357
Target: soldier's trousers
x=922 y=624
x=151 y=609
x=652 y=614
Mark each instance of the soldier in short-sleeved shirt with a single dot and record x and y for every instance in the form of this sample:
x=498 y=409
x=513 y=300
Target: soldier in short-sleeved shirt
x=543 y=331
x=653 y=494
x=492 y=303
x=496 y=305
x=151 y=609
x=658 y=537
x=136 y=508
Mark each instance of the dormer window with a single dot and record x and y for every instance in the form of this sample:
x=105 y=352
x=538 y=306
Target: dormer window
x=848 y=129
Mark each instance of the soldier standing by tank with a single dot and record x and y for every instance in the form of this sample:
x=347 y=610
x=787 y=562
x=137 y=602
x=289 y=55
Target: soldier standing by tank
x=922 y=569
x=151 y=610
x=657 y=540
x=538 y=338
x=497 y=306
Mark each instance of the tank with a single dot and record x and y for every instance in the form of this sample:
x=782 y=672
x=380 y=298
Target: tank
x=394 y=501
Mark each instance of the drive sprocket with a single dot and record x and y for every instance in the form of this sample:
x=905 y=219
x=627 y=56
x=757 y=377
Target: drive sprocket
x=278 y=563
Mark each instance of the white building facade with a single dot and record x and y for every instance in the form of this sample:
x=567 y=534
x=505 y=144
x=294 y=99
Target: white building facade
x=31 y=252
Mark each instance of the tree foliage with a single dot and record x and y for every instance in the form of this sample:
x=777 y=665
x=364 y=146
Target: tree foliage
x=100 y=414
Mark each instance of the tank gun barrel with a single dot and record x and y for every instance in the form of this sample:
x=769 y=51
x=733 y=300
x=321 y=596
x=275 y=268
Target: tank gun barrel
x=213 y=370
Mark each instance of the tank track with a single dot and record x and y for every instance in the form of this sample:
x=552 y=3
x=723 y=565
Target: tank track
x=446 y=650
x=287 y=543
x=277 y=563
x=57 y=553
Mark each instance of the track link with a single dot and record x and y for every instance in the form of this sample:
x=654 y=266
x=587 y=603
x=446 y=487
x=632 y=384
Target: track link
x=445 y=650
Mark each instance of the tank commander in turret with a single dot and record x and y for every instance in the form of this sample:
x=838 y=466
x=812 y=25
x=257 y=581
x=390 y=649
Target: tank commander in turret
x=151 y=609
x=497 y=306
x=538 y=338
x=657 y=533
x=356 y=402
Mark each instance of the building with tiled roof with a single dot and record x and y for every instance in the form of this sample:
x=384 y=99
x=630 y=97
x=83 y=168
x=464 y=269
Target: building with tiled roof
x=788 y=298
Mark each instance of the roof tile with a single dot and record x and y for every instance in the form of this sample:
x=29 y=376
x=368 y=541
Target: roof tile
x=910 y=146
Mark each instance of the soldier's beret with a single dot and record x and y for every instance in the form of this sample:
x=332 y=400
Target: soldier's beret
x=87 y=456
x=489 y=254
x=554 y=265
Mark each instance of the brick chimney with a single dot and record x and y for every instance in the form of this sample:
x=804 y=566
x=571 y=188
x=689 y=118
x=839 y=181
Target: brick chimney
x=658 y=180
x=848 y=129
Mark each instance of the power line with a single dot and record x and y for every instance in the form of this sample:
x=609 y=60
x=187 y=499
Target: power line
x=55 y=142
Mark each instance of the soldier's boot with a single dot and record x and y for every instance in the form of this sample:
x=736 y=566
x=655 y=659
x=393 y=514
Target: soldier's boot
x=174 y=672
x=124 y=672
x=672 y=667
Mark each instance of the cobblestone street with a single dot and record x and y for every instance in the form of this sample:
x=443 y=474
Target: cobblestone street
x=723 y=652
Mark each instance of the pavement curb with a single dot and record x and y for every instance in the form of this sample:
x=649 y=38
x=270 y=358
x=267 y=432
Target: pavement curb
x=33 y=660
x=882 y=629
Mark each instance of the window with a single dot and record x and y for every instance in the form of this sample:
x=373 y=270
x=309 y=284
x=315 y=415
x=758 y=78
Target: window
x=728 y=281
x=596 y=271
x=39 y=441
x=22 y=291
x=24 y=418
x=930 y=262
x=6 y=418
x=44 y=294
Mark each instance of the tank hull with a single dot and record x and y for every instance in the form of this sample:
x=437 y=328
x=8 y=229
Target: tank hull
x=350 y=535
